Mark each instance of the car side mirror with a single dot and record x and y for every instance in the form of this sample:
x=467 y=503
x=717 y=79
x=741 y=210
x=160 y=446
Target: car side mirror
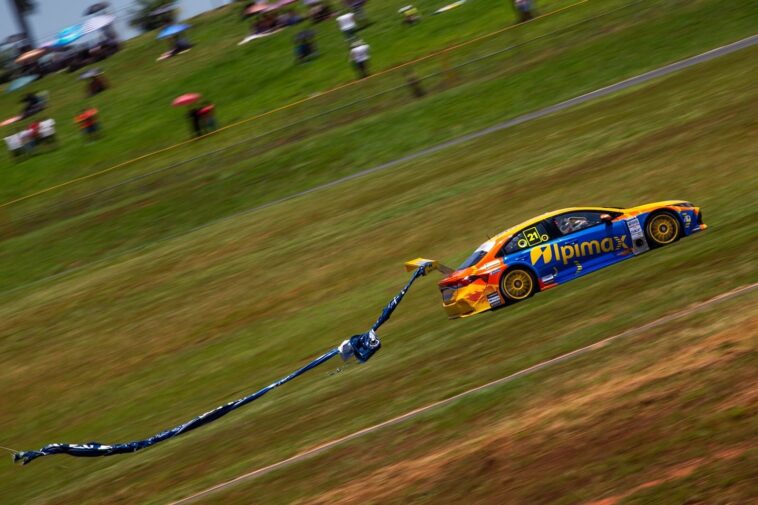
x=606 y=218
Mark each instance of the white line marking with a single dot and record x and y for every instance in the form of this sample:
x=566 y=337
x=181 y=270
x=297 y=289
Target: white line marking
x=509 y=378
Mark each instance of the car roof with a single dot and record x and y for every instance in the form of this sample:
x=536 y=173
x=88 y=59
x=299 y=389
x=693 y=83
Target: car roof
x=514 y=229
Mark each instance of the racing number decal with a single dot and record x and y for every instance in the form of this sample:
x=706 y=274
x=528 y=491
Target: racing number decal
x=532 y=237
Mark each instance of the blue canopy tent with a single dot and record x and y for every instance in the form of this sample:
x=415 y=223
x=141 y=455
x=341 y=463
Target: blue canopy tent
x=68 y=36
x=20 y=82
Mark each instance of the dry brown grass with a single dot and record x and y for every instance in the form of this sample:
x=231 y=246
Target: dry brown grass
x=563 y=426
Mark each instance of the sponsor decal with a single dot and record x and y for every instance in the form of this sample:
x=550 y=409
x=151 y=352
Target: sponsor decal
x=634 y=228
x=490 y=264
x=567 y=252
x=687 y=219
x=639 y=243
x=494 y=299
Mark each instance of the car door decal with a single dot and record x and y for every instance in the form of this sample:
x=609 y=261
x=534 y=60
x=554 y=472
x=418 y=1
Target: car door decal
x=639 y=243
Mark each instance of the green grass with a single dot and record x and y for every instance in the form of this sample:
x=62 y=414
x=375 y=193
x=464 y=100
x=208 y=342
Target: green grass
x=137 y=115
x=141 y=342
x=40 y=242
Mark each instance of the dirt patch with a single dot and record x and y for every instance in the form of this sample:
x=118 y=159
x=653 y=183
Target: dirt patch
x=573 y=430
x=676 y=472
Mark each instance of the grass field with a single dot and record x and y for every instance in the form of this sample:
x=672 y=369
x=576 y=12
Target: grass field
x=153 y=323
x=147 y=339
x=243 y=81
x=72 y=227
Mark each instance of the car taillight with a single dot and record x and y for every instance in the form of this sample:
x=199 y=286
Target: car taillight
x=462 y=283
x=447 y=294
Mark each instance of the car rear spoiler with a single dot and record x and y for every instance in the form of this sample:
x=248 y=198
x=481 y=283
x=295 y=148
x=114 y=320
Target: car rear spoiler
x=429 y=264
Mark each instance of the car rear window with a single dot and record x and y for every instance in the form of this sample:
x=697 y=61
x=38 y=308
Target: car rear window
x=477 y=255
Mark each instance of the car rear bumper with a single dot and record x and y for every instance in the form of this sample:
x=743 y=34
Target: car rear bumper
x=470 y=300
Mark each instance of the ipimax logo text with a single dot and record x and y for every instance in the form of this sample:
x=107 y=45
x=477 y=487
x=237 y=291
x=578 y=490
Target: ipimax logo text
x=566 y=252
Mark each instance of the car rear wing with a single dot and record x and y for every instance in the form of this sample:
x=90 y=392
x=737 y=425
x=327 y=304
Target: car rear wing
x=428 y=264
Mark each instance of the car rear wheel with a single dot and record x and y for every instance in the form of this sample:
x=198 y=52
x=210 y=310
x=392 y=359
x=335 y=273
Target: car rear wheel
x=517 y=284
x=662 y=228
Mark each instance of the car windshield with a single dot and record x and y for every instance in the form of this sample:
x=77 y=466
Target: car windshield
x=477 y=255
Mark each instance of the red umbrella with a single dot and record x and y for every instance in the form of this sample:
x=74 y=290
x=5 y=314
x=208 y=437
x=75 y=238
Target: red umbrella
x=10 y=120
x=186 y=99
x=86 y=115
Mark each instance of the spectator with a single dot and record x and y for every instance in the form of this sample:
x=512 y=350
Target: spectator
x=88 y=123
x=180 y=44
x=47 y=131
x=359 y=55
x=195 y=123
x=28 y=138
x=356 y=6
x=318 y=10
x=347 y=25
x=288 y=18
x=265 y=23
x=410 y=15
x=305 y=45
x=33 y=130
x=207 y=117
x=15 y=145
x=524 y=9
x=97 y=84
x=34 y=104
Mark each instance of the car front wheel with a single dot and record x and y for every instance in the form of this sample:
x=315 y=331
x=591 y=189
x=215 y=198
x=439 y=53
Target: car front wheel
x=661 y=229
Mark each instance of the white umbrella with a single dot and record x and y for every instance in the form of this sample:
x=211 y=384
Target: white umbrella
x=96 y=23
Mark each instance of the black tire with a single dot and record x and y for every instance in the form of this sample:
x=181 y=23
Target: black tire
x=517 y=284
x=662 y=228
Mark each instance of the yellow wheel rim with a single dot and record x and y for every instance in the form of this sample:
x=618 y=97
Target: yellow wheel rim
x=664 y=229
x=518 y=284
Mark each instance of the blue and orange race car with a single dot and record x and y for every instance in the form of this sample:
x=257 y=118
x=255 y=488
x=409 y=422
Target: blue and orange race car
x=557 y=247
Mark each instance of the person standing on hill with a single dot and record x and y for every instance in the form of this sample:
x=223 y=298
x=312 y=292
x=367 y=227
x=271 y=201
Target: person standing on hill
x=97 y=84
x=195 y=121
x=305 y=45
x=359 y=55
x=356 y=6
x=88 y=123
x=347 y=25
x=524 y=9
x=207 y=117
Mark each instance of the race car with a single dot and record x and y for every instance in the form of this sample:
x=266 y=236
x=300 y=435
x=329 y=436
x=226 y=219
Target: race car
x=555 y=248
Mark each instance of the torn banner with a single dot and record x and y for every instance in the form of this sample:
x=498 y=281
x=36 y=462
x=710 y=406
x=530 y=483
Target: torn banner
x=362 y=347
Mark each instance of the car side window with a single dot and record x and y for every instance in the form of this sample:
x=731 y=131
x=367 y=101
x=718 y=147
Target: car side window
x=572 y=222
x=526 y=238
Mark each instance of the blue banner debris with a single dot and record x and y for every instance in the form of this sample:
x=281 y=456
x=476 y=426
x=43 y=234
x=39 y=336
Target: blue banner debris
x=361 y=347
